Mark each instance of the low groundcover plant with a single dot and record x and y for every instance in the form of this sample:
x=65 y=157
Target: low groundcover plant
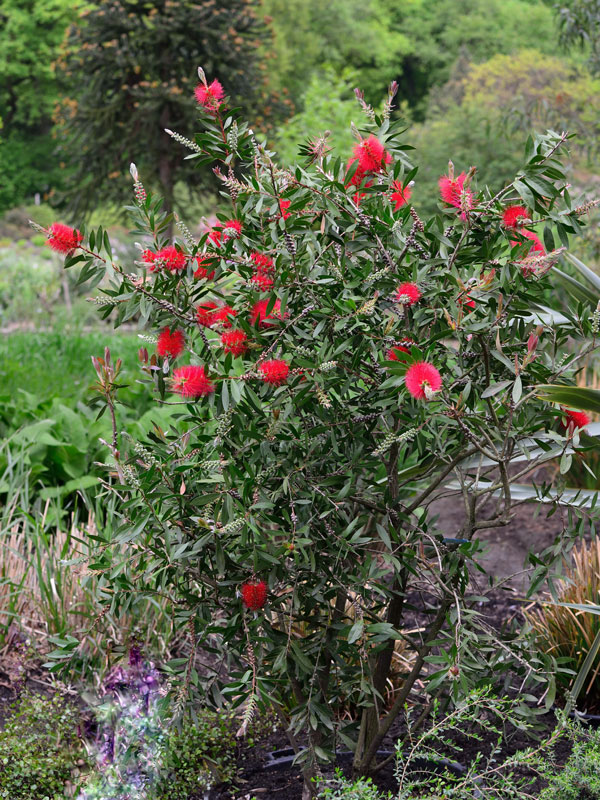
x=337 y=364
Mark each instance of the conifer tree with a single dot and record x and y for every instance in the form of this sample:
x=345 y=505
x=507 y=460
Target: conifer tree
x=129 y=70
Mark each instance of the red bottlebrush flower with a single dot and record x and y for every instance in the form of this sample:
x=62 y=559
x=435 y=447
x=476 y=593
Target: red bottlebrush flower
x=234 y=342
x=454 y=193
x=393 y=354
x=170 y=342
x=512 y=215
x=371 y=154
x=284 y=205
x=201 y=271
x=210 y=97
x=63 y=239
x=262 y=262
x=229 y=230
x=468 y=301
x=254 y=595
x=359 y=174
x=211 y=314
x=274 y=371
x=262 y=281
x=575 y=419
x=536 y=244
x=171 y=258
x=259 y=313
x=422 y=379
x=410 y=292
x=149 y=257
x=400 y=196
x=192 y=382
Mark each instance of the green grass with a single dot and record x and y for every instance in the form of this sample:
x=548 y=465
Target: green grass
x=58 y=363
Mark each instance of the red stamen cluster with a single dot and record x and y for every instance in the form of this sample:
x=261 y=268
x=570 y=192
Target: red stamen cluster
x=371 y=157
x=274 y=371
x=410 y=293
x=210 y=314
x=393 y=354
x=234 y=342
x=575 y=419
x=513 y=216
x=201 y=271
x=264 y=269
x=259 y=313
x=210 y=97
x=284 y=205
x=170 y=342
x=192 y=382
x=63 y=239
x=218 y=235
x=400 y=196
x=254 y=595
x=454 y=193
x=149 y=257
x=421 y=378
x=171 y=258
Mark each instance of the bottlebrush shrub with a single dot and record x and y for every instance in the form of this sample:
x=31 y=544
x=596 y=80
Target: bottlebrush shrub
x=304 y=455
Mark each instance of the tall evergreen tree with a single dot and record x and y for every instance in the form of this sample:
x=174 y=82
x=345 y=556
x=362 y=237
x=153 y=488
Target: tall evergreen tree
x=31 y=32
x=129 y=68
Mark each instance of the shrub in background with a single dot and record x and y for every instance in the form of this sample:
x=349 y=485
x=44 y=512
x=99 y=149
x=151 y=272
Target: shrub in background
x=579 y=777
x=40 y=750
x=336 y=363
x=198 y=756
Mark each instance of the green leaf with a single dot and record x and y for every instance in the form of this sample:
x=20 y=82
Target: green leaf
x=591 y=276
x=576 y=289
x=356 y=631
x=495 y=388
x=572 y=396
x=517 y=389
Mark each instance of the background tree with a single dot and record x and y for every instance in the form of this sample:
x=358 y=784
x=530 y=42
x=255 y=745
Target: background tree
x=30 y=34
x=129 y=72
x=579 y=22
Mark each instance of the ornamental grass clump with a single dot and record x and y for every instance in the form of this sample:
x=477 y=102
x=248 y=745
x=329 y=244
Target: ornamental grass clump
x=394 y=360
x=568 y=633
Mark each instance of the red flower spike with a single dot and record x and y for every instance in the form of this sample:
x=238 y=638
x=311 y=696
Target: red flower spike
x=211 y=314
x=575 y=419
x=422 y=379
x=149 y=257
x=512 y=215
x=400 y=196
x=234 y=226
x=274 y=371
x=171 y=258
x=284 y=205
x=210 y=97
x=535 y=247
x=262 y=262
x=234 y=342
x=63 y=239
x=409 y=291
x=393 y=354
x=170 y=342
x=254 y=595
x=192 y=382
x=262 y=281
x=201 y=271
x=259 y=313
x=453 y=191
x=371 y=154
